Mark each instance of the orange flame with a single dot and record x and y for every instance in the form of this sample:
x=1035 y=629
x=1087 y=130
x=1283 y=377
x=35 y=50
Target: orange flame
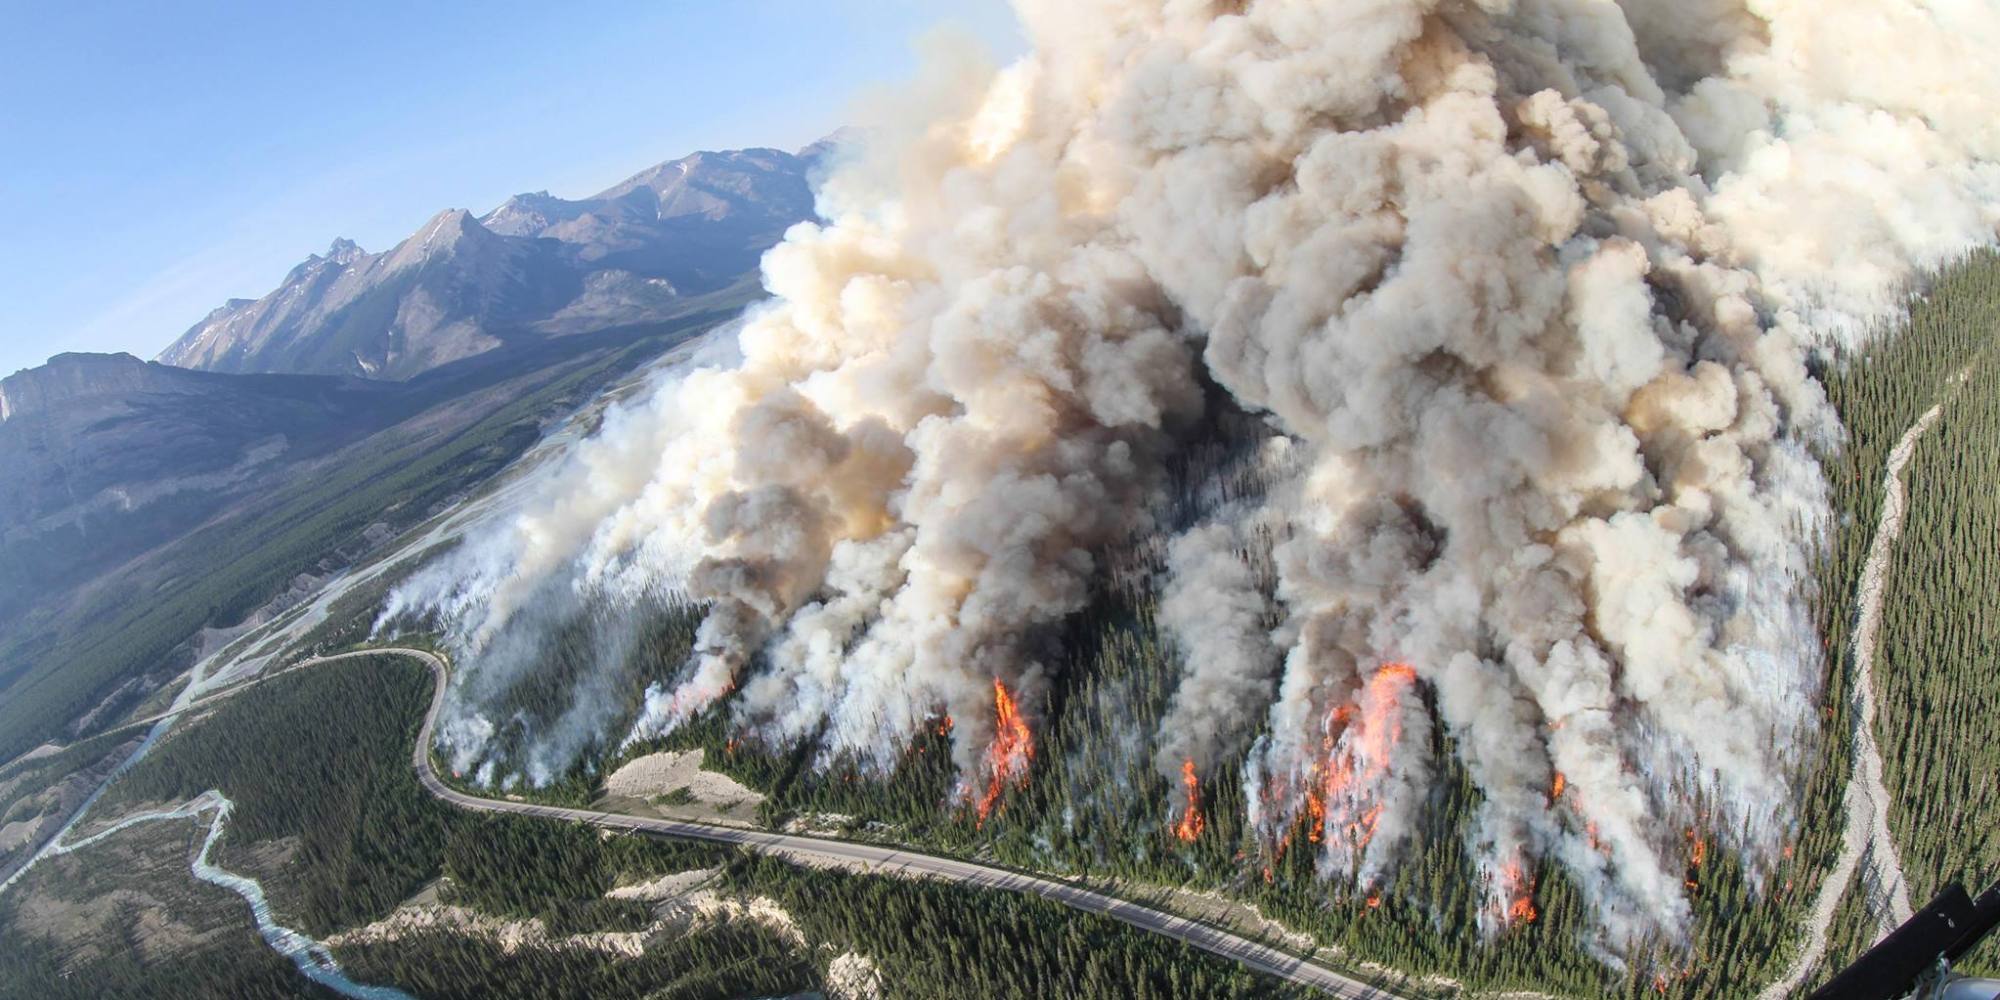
x=1556 y=790
x=1357 y=742
x=1697 y=853
x=1395 y=671
x=1521 y=889
x=1012 y=750
x=1191 y=823
x=1374 y=901
x=1316 y=811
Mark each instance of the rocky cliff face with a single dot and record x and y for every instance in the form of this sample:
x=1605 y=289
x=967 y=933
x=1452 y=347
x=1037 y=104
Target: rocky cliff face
x=78 y=380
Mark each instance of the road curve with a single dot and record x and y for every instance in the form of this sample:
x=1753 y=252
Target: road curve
x=1865 y=803
x=887 y=860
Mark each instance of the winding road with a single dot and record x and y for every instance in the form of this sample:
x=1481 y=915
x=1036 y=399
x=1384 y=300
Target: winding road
x=878 y=859
x=1868 y=845
x=1866 y=800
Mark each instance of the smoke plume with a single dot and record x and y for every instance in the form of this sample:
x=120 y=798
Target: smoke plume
x=1526 y=290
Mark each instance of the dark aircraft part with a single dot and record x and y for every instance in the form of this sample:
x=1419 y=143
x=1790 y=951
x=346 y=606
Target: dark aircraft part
x=1912 y=954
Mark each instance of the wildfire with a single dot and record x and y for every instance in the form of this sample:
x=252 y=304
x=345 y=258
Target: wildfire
x=1556 y=789
x=1316 y=811
x=1191 y=822
x=1521 y=891
x=1697 y=853
x=1402 y=672
x=1362 y=831
x=1358 y=740
x=1012 y=750
x=1374 y=901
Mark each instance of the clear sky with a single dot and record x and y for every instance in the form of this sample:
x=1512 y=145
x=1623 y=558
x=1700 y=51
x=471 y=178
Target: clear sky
x=158 y=158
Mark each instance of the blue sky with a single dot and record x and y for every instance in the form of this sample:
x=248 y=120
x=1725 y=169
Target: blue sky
x=158 y=158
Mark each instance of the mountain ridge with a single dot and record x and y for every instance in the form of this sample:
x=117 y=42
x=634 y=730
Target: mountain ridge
x=536 y=266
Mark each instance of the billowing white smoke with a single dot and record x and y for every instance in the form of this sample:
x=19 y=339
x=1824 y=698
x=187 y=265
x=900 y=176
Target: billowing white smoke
x=567 y=559
x=1526 y=288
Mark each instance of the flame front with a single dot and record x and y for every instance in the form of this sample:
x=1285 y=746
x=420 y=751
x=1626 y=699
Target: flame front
x=1191 y=822
x=1339 y=792
x=1697 y=853
x=1517 y=890
x=1012 y=751
x=1359 y=742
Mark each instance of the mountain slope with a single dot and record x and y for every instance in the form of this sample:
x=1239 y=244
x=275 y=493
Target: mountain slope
x=107 y=455
x=143 y=503
x=537 y=267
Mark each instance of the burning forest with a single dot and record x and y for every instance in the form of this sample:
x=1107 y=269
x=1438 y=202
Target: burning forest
x=1519 y=301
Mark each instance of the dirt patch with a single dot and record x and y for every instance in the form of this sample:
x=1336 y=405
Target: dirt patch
x=510 y=935
x=19 y=834
x=674 y=785
x=665 y=887
x=853 y=976
x=821 y=825
x=681 y=904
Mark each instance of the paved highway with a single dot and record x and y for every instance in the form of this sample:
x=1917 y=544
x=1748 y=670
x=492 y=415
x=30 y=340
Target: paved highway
x=889 y=860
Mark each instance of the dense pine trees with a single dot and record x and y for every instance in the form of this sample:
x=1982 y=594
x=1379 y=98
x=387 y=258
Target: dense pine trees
x=322 y=758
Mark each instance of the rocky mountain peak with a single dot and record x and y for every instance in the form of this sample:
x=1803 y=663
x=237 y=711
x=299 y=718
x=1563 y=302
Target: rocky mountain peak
x=538 y=265
x=345 y=251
